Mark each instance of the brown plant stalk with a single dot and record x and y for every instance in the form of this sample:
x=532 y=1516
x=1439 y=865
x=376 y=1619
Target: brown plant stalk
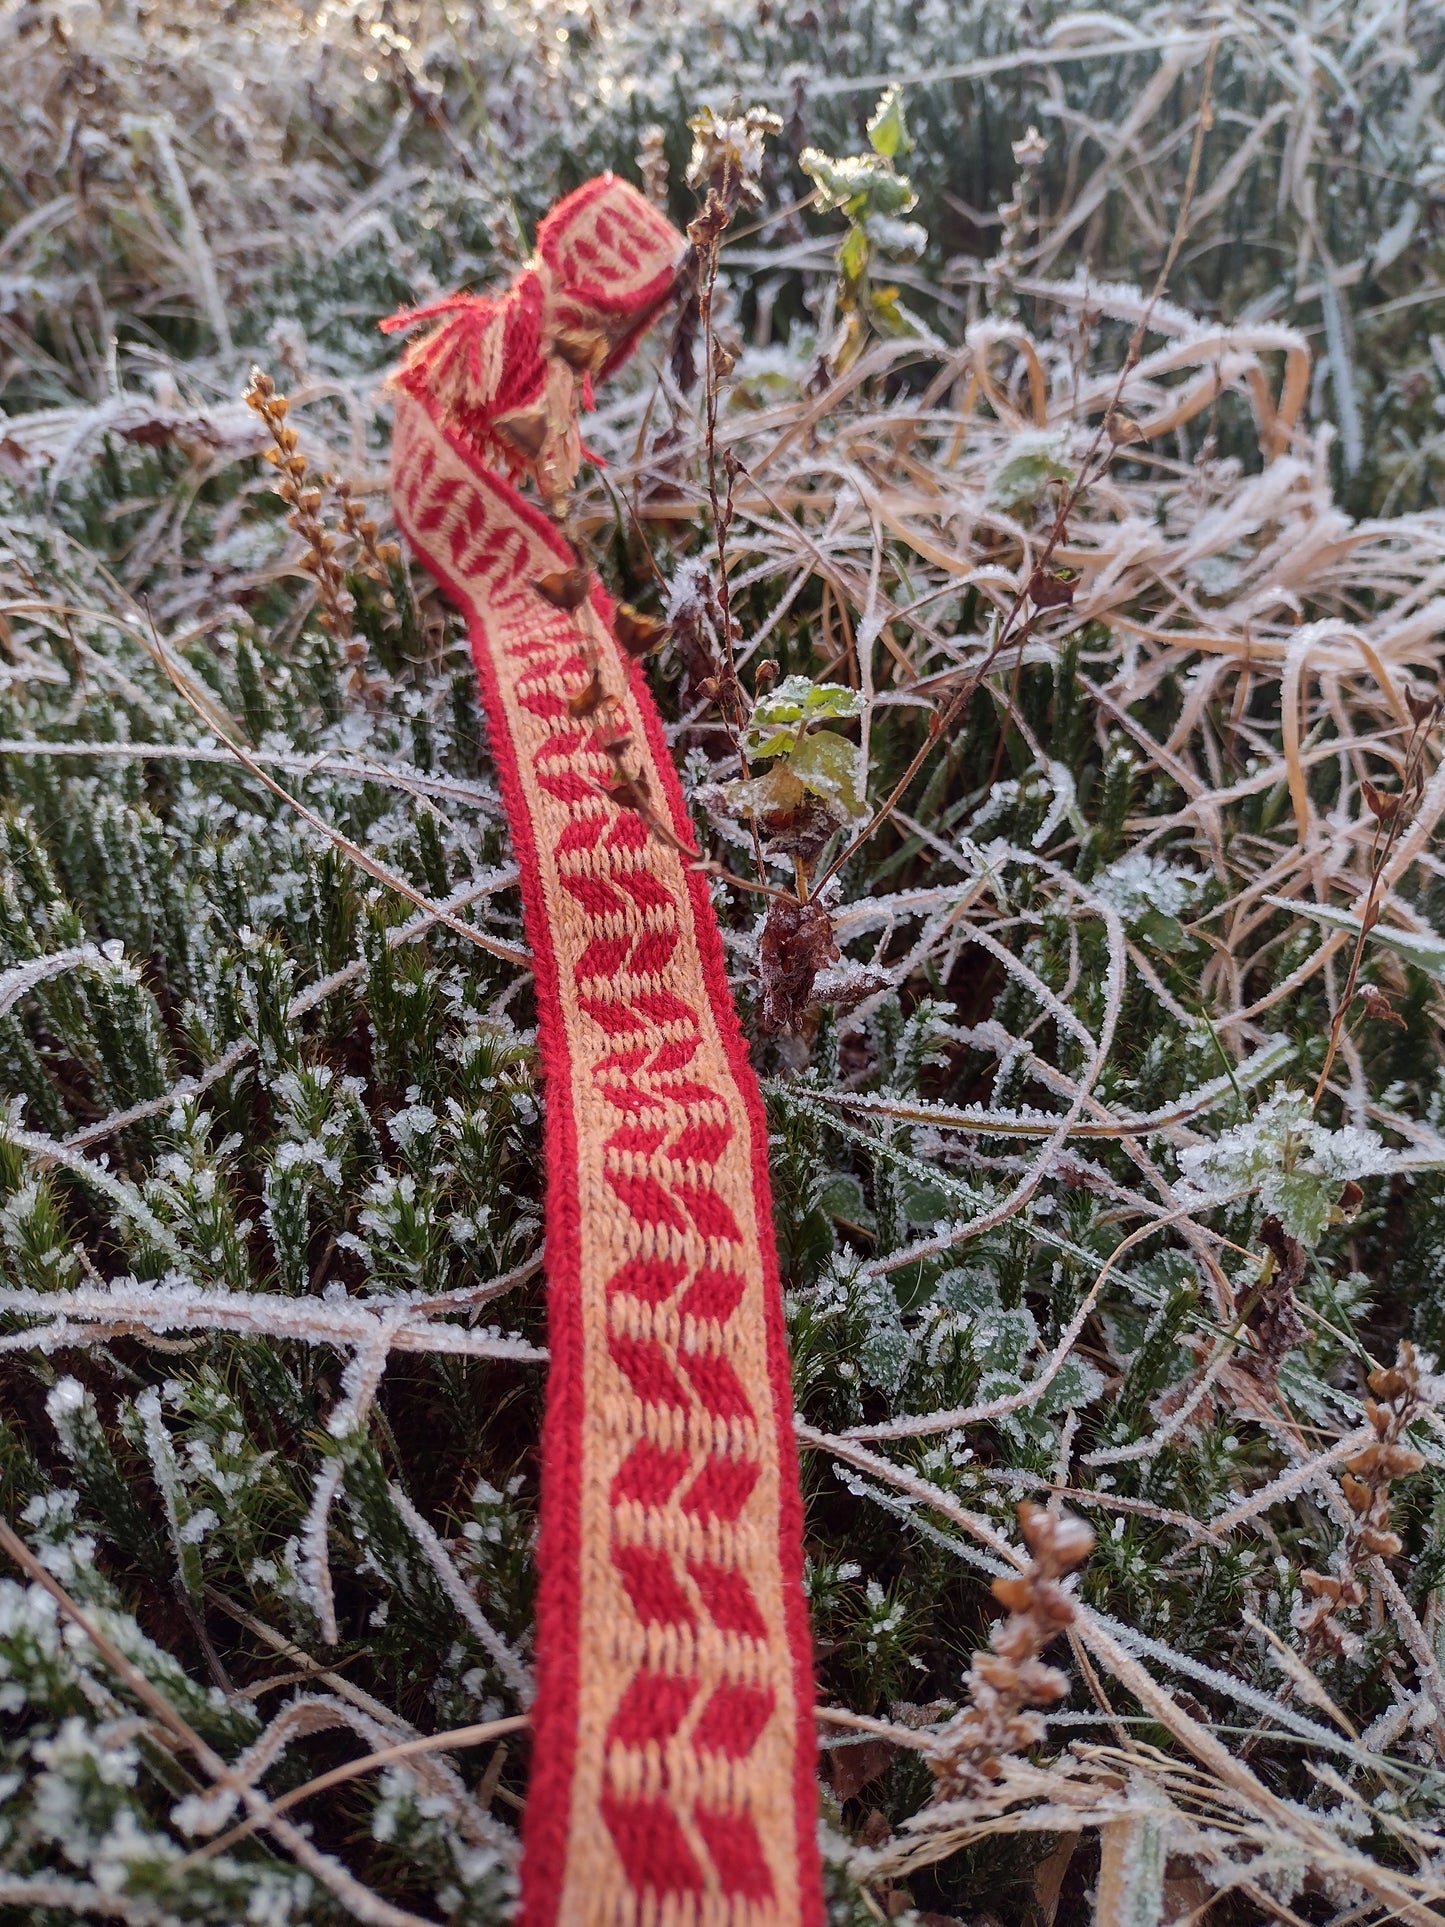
x=1399 y=1394
x=304 y=499
x=1010 y=1679
x=1389 y=810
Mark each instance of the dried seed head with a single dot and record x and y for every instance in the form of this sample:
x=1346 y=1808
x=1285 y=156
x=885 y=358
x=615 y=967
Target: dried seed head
x=1322 y=1585
x=652 y=163
x=1383 y=805
x=1057 y=1540
x=1399 y=1393
x=1383 y=1543
x=1387 y=1382
x=564 y=588
x=1378 y=1006
x=1042 y=1683
x=1010 y=1678
x=614 y=738
x=583 y=349
x=1122 y=429
x=639 y=634
x=629 y=792
x=305 y=504
x=1350 y=1200
x=1015 y=1591
x=1030 y=151
x=523 y=430
x=1051 y=588
x=588 y=699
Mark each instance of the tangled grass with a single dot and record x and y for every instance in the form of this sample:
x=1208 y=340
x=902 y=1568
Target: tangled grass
x=1109 y=1144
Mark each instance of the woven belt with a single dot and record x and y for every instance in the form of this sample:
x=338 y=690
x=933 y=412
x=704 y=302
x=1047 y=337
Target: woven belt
x=673 y=1748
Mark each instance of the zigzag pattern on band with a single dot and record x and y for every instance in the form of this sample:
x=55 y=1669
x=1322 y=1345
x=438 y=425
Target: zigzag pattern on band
x=673 y=1749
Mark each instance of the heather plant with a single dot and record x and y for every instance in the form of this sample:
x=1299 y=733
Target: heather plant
x=1031 y=524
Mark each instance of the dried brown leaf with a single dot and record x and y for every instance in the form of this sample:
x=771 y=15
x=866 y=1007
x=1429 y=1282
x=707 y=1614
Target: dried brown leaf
x=564 y=588
x=639 y=634
x=858 y=1763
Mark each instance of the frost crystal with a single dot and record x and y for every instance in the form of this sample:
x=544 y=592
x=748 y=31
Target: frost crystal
x=1296 y=1165
x=1139 y=883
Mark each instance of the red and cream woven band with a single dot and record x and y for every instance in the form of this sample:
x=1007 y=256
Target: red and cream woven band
x=673 y=1748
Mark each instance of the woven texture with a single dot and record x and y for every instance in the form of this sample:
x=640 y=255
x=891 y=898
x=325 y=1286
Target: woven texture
x=672 y=1776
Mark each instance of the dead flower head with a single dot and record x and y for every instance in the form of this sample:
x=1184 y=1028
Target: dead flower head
x=319 y=559
x=1399 y=1394
x=797 y=942
x=1009 y=1679
x=727 y=153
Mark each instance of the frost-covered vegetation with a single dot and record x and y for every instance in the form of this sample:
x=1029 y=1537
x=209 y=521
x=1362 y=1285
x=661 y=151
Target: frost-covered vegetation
x=1076 y=421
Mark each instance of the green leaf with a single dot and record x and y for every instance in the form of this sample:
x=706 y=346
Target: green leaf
x=887 y=128
x=903 y=240
x=1025 y=473
x=842 y=182
x=1004 y=1339
x=829 y=766
x=890 y=193
x=831 y=699
x=926 y=1204
x=776 y=793
x=853 y=255
x=969 y=1290
x=1166 y=933
x=1424 y=951
x=778 y=717
x=884 y=1355
x=886 y=314
x=856 y=184
x=1075 y=1383
x=842 y=1197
